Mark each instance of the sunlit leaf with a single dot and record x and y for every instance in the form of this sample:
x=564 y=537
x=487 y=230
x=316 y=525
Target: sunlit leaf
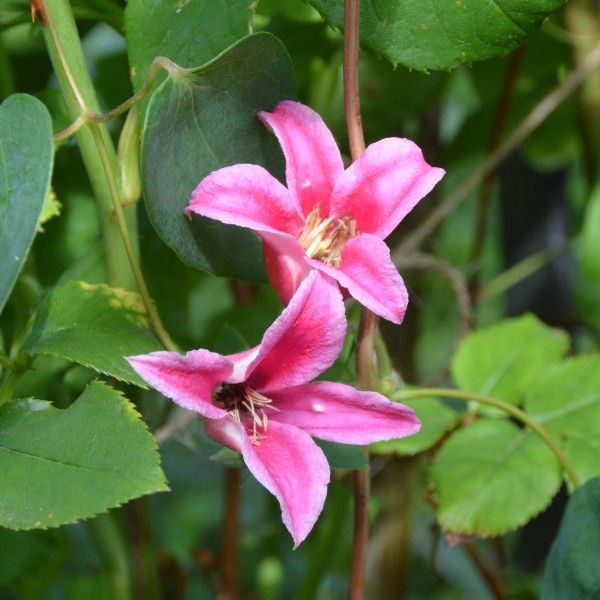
x=492 y=477
x=65 y=465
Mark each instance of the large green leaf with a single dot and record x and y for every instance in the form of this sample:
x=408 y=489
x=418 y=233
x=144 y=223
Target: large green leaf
x=567 y=402
x=189 y=32
x=437 y=35
x=26 y=157
x=94 y=325
x=572 y=568
x=506 y=359
x=63 y=465
x=205 y=121
x=492 y=477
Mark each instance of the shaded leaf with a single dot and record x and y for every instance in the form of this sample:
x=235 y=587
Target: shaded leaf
x=504 y=360
x=492 y=477
x=202 y=122
x=436 y=419
x=572 y=567
x=439 y=35
x=94 y=325
x=65 y=465
x=343 y=456
x=26 y=158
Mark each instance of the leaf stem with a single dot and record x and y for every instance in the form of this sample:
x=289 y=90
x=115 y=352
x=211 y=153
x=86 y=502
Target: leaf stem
x=365 y=351
x=229 y=589
x=537 y=116
x=513 y=411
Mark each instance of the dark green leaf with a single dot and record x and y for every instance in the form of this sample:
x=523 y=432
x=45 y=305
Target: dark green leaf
x=436 y=419
x=439 y=35
x=492 y=477
x=65 y=465
x=343 y=456
x=203 y=122
x=504 y=360
x=572 y=569
x=189 y=32
x=94 y=325
x=26 y=157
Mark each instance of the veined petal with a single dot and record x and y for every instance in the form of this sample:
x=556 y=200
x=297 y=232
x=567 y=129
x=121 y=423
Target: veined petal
x=289 y=464
x=248 y=196
x=383 y=185
x=313 y=160
x=304 y=340
x=285 y=265
x=188 y=380
x=370 y=276
x=241 y=361
x=340 y=413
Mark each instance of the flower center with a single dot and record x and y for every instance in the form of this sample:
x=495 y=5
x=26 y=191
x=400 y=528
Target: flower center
x=244 y=403
x=323 y=239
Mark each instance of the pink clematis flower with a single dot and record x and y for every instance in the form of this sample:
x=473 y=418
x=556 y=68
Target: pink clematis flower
x=327 y=219
x=259 y=403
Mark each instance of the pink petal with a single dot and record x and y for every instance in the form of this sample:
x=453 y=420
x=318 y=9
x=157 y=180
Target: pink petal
x=368 y=273
x=339 y=413
x=304 y=340
x=383 y=185
x=285 y=265
x=188 y=380
x=241 y=361
x=313 y=159
x=288 y=463
x=249 y=196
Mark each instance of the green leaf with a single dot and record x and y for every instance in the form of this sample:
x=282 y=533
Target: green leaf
x=590 y=236
x=94 y=325
x=440 y=35
x=492 y=477
x=189 y=32
x=343 y=456
x=572 y=567
x=26 y=158
x=504 y=360
x=436 y=419
x=567 y=402
x=65 y=465
x=205 y=121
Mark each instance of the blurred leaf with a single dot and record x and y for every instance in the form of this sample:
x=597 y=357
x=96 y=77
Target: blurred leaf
x=189 y=32
x=492 y=477
x=94 y=325
x=439 y=35
x=65 y=465
x=590 y=236
x=202 y=122
x=51 y=209
x=26 y=157
x=504 y=360
x=567 y=402
x=436 y=419
x=342 y=456
x=572 y=568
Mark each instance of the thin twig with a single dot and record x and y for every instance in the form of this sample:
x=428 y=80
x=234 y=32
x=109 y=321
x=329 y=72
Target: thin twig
x=526 y=127
x=494 y=585
x=229 y=589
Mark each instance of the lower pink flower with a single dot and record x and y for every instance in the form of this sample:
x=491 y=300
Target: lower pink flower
x=259 y=402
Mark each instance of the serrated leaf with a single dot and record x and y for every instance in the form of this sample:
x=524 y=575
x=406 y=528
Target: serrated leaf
x=93 y=325
x=567 y=402
x=436 y=419
x=441 y=35
x=504 y=360
x=572 y=568
x=26 y=158
x=202 y=122
x=66 y=465
x=492 y=477
x=189 y=32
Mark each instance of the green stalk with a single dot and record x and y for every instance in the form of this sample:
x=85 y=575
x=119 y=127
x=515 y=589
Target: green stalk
x=513 y=411
x=64 y=48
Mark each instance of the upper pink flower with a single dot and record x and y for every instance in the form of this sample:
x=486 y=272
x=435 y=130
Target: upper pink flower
x=327 y=218
x=259 y=403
